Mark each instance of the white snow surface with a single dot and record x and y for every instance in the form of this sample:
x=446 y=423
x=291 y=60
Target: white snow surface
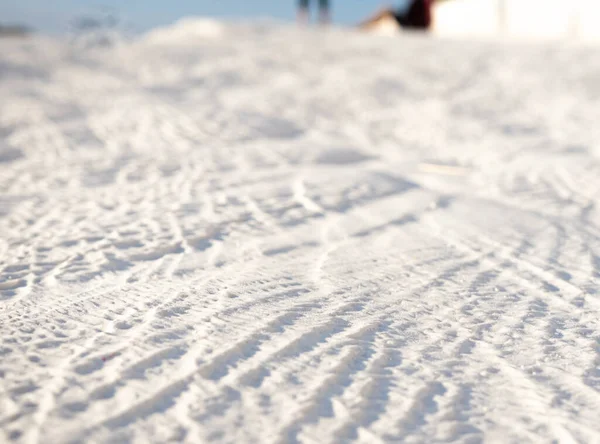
x=255 y=233
x=519 y=19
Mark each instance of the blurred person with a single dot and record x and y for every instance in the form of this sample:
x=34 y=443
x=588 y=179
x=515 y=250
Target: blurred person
x=304 y=13
x=418 y=15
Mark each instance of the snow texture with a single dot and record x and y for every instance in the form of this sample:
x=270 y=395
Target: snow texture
x=519 y=19
x=255 y=233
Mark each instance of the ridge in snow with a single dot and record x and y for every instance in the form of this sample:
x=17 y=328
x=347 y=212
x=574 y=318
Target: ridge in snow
x=186 y=30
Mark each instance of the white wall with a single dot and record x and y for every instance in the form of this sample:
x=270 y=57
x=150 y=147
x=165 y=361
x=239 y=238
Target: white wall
x=577 y=19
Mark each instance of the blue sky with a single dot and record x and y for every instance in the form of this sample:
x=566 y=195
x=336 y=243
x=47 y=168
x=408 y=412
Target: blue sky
x=54 y=15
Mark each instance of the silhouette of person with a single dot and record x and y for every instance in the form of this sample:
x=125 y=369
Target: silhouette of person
x=418 y=16
x=304 y=14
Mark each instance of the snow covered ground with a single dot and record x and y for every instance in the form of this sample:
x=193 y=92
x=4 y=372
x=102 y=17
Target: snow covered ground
x=254 y=233
x=519 y=19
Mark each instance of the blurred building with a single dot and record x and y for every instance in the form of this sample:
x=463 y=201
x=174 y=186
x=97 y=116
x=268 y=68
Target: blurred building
x=543 y=19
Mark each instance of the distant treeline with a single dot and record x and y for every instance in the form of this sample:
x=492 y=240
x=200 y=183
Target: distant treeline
x=14 y=30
